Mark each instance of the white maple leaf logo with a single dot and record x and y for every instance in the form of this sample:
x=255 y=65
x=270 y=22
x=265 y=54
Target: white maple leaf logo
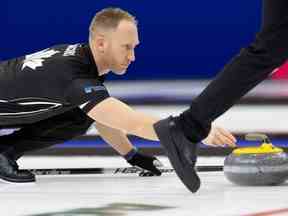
x=36 y=59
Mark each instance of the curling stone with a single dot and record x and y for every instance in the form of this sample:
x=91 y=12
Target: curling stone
x=253 y=166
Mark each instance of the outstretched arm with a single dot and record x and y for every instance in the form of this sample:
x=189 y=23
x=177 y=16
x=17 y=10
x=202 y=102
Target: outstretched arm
x=123 y=120
x=116 y=114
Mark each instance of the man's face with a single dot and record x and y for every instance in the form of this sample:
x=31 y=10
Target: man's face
x=120 y=45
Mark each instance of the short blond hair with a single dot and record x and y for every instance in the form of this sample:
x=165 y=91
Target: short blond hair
x=109 y=19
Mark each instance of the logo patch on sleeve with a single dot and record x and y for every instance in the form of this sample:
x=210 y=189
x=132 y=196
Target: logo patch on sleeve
x=90 y=89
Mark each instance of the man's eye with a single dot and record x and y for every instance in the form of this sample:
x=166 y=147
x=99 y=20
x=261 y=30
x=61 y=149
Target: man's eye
x=128 y=47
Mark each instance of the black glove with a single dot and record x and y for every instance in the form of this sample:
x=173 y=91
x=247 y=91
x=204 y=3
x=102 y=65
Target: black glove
x=146 y=162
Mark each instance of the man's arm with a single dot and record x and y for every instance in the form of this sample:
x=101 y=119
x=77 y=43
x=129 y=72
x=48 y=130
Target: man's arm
x=120 y=142
x=116 y=138
x=116 y=114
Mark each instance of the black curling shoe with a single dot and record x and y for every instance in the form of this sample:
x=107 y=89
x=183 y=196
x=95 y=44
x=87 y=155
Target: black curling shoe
x=180 y=151
x=9 y=171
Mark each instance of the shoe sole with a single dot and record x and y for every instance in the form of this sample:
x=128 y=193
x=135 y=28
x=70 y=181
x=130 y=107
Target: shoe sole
x=10 y=180
x=183 y=168
x=16 y=183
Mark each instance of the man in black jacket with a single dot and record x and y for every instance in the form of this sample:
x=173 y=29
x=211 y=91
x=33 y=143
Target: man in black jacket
x=56 y=94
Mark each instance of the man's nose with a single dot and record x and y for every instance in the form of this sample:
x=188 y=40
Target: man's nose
x=131 y=56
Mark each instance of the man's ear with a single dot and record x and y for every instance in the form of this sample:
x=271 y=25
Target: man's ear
x=99 y=43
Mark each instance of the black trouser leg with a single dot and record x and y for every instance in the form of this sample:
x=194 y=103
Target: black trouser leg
x=45 y=133
x=245 y=71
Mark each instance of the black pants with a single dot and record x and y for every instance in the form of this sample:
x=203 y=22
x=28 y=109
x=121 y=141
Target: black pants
x=245 y=71
x=45 y=133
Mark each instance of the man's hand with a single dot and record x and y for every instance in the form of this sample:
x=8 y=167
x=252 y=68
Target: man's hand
x=146 y=162
x=219 y=137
